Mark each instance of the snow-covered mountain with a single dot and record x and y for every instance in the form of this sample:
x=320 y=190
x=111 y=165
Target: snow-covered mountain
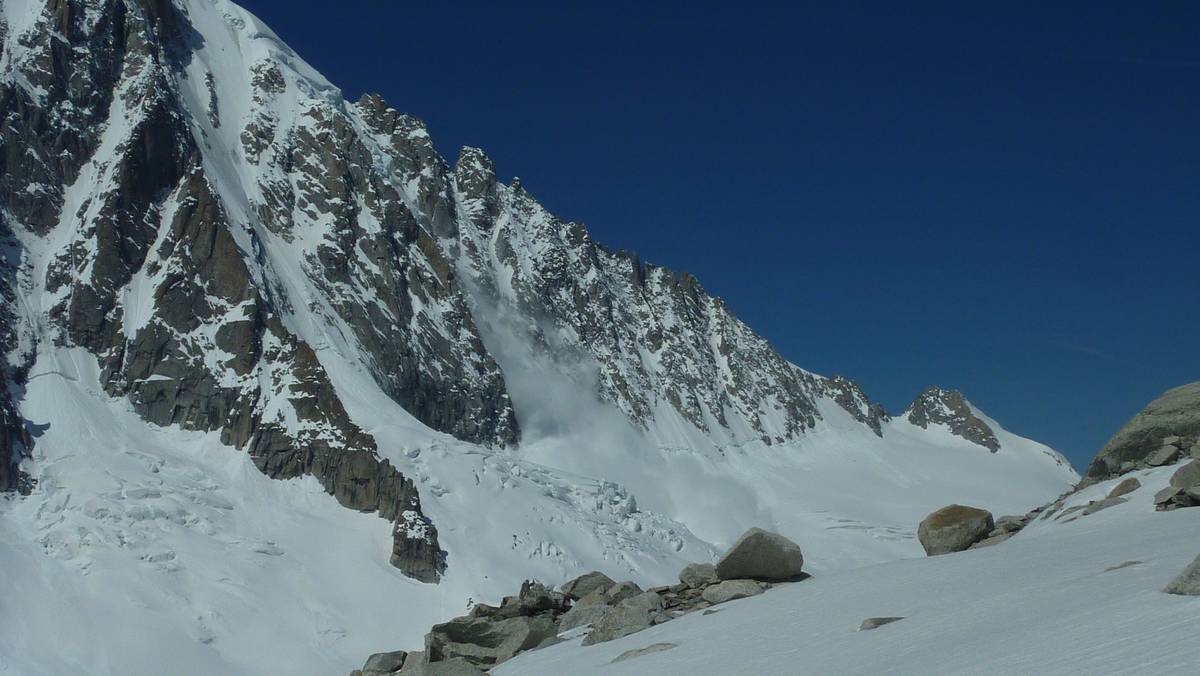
x=218 y=272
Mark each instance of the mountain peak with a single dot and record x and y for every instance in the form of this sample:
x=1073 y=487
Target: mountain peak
x=940 y=406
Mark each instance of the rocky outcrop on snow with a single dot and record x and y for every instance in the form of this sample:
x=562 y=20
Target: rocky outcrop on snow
x=936 y=406
x=1168 y=428
x=537 y=616
x=954 y=528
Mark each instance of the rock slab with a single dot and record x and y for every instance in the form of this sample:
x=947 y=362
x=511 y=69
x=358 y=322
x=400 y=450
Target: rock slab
x=874 y=622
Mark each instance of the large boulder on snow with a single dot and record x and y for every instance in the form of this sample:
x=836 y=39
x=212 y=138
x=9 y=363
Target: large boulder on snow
x=486 y=641
x=953 y=529
x=761 y=555
x=1187 y=476
x=730 y=590
x=1173 y=417
x=1187 y=583
x=586 y=584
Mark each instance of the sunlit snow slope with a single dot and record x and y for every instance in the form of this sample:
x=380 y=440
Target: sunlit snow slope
x=218 y=271
x=1076 y=596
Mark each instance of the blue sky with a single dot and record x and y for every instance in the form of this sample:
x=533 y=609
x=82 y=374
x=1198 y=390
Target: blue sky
x=1000 y=199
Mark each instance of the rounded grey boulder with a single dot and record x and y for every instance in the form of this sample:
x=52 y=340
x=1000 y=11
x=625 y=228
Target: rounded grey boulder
x=761 y=555
x=586 y=584
x=1187 y=476
x=730 y=590
x=696 y=575
x=953 y=529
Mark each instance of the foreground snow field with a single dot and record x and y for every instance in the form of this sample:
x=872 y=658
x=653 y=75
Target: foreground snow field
x=1049 y=601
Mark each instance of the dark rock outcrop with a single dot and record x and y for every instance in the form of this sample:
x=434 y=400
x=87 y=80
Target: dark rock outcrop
x=937 y=406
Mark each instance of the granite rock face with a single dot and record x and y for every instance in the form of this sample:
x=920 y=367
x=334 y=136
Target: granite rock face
x=936 y=406
x=156 y=271
x=1173 y=417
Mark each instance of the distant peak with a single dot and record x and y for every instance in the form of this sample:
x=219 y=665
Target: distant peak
x=940 y=406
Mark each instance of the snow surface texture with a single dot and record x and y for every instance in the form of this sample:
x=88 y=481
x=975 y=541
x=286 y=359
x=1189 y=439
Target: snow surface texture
x=1062 y=597
x=144 y=548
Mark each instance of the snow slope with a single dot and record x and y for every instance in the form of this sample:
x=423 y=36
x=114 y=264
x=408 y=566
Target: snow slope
x=147 y=547
x=1049 y=601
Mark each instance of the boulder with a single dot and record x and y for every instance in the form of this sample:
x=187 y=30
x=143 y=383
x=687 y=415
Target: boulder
x=1187 y=476
x=586 y=584
x=485 y=642
x=536 y=598
x=1125 y=487
x=1175 y=413
x=627 y=617
x=1010 y=524
x=873 y=622
x=1195 y=452
x=1187 y=583
x=1164 y=456
x=1166 y=495
x=697 y=575
x=953 y=529
x=638 y=652
x=621 y=591
x=1172 y=440
x=385 y=662
x=581 y=614
x=1097 y=505
x=761 y=555
x=729 y=590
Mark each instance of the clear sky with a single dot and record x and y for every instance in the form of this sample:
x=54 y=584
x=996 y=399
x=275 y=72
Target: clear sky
x=1002 y=198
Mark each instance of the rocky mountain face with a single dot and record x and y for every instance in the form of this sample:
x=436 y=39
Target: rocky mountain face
x=185 y=199
x=936 y=406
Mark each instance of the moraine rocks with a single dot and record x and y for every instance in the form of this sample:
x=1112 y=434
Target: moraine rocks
x=537 y=616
